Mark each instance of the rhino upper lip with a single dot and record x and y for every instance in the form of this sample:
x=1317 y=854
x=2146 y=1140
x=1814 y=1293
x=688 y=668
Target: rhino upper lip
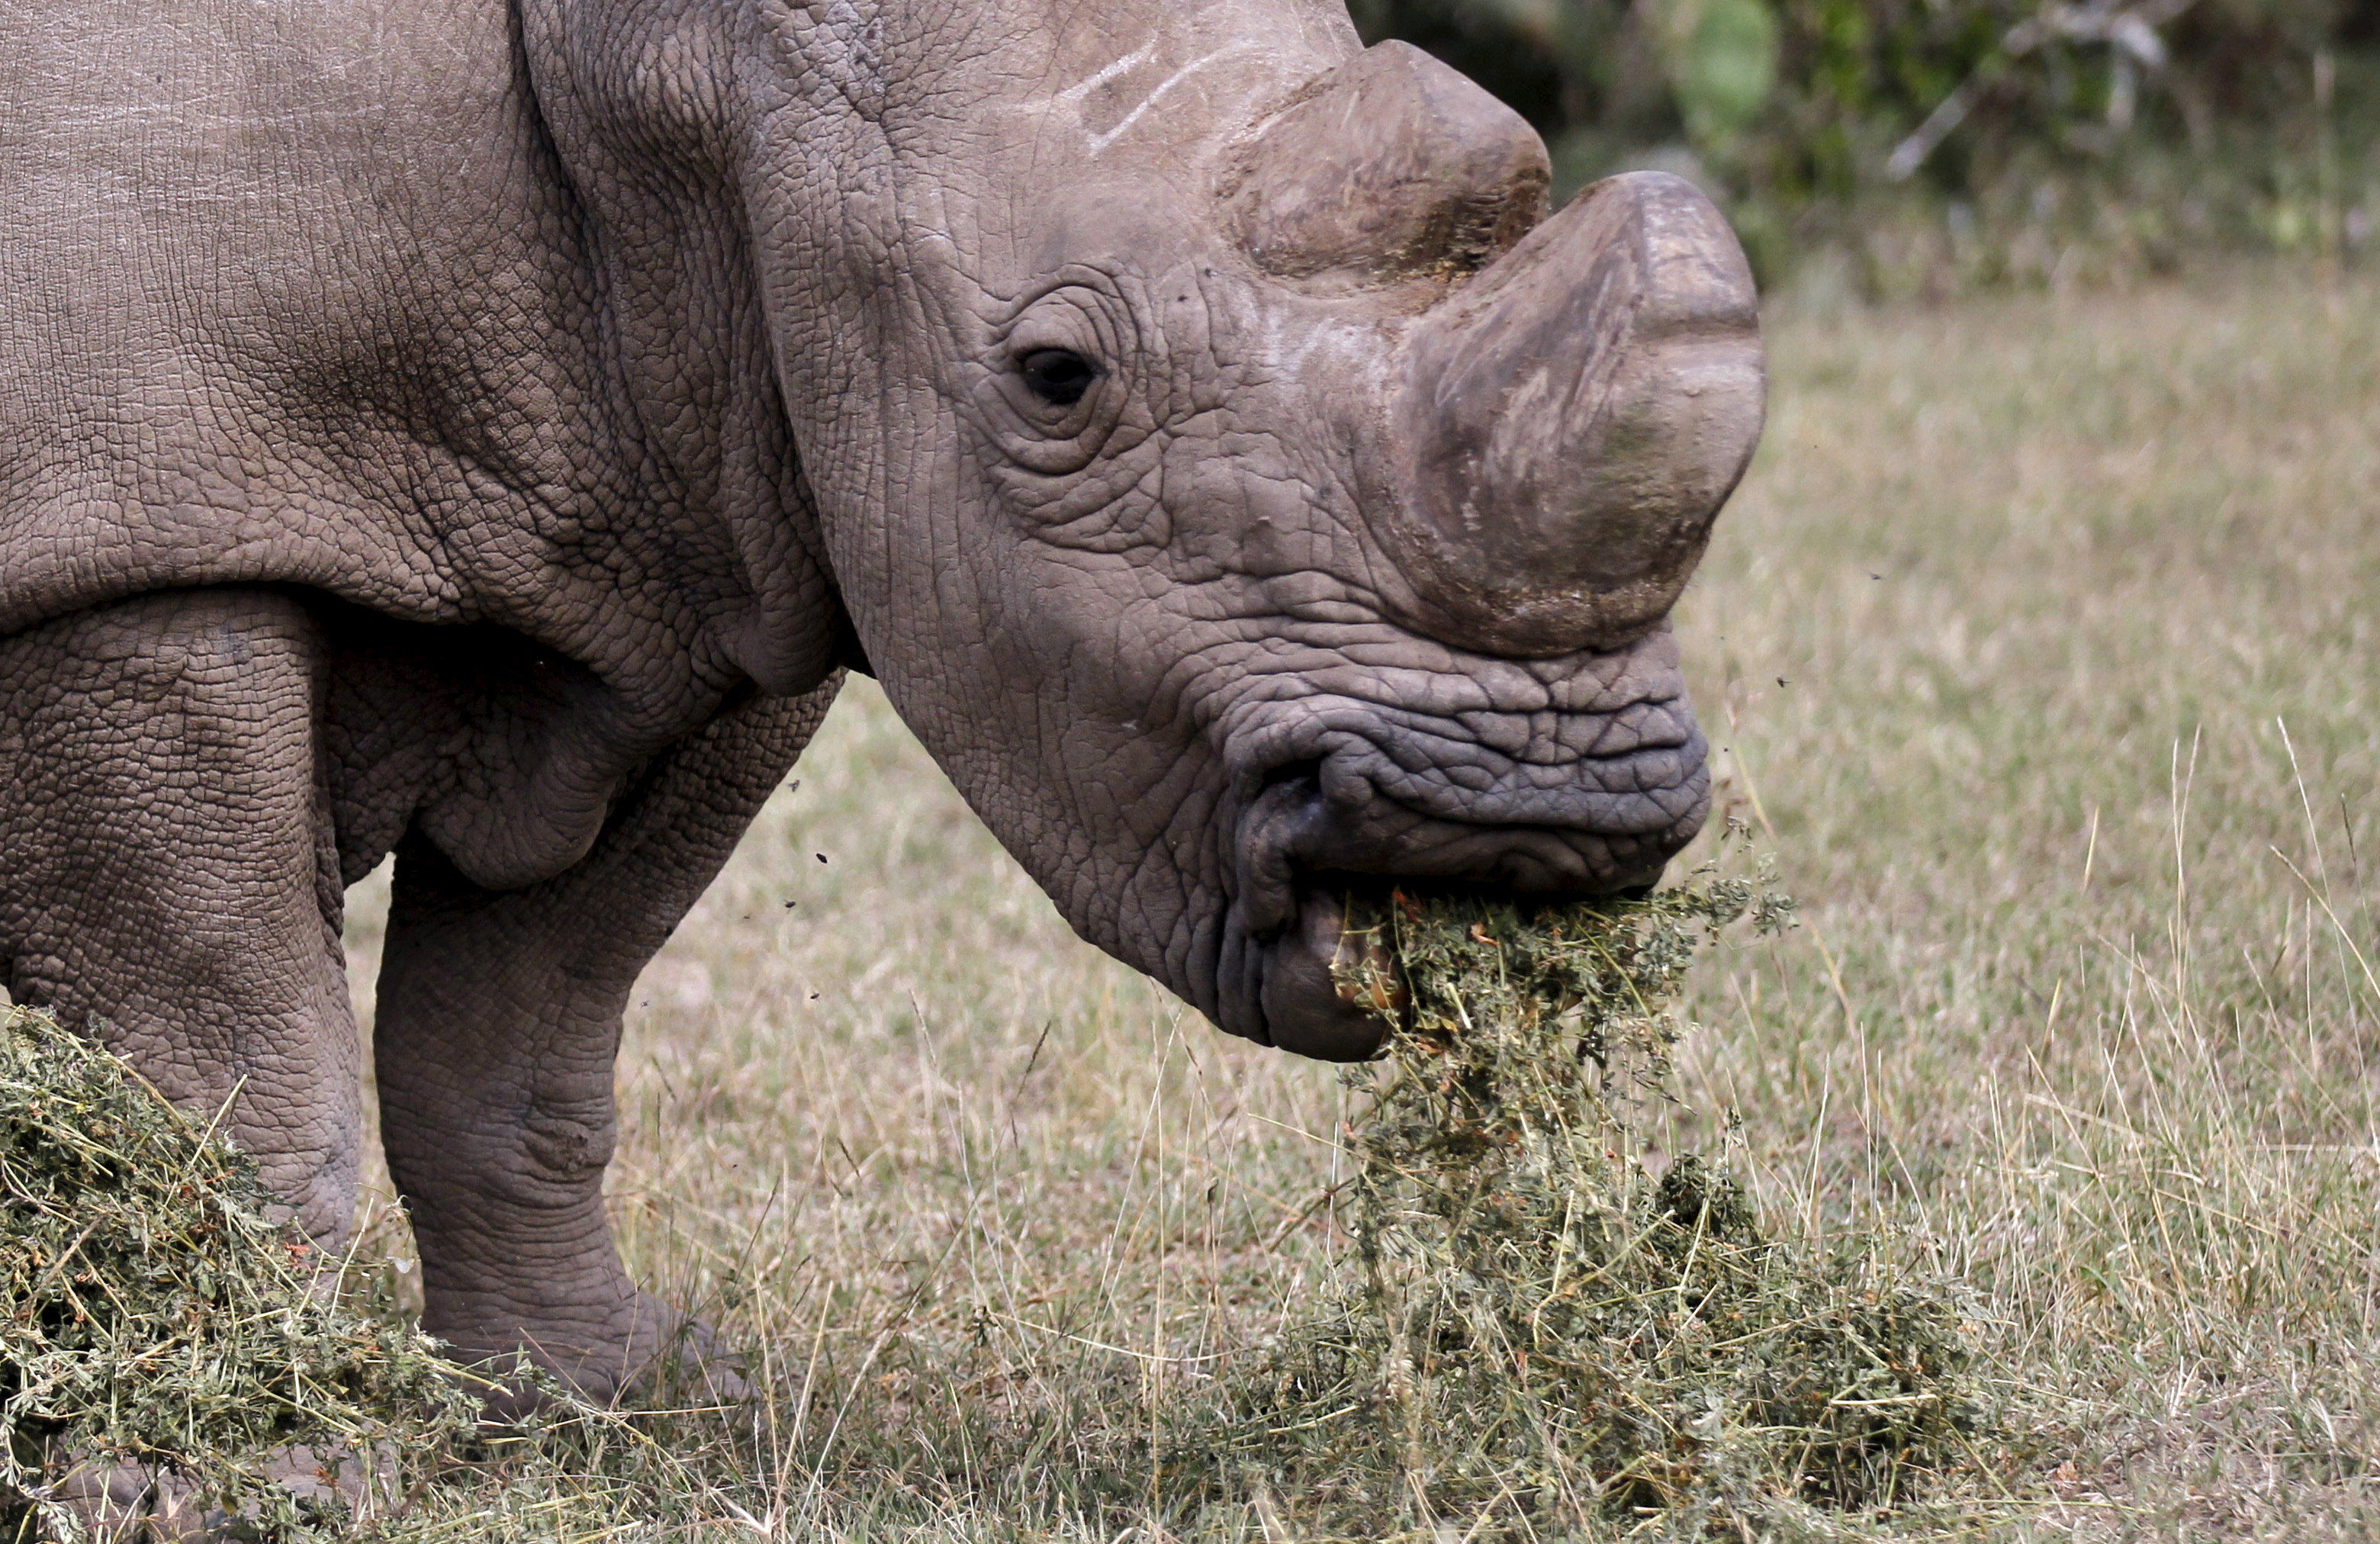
x=1600 y=822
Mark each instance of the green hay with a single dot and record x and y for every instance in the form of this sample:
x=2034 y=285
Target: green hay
x=1537 y=1335
x=156 y=1310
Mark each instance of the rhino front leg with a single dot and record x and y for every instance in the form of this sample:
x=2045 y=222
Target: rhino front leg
x=168 y=869
x=498 y=1023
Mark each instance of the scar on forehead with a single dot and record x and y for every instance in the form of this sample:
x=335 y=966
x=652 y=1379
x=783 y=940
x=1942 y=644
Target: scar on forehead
x=1116 y=68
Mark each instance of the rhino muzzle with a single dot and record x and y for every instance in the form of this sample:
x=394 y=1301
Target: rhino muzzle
x=1587 y=785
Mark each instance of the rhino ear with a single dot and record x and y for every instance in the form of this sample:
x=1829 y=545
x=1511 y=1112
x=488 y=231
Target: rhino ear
x=1393 y=166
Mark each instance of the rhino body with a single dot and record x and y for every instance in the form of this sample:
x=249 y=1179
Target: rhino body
x=487 y=433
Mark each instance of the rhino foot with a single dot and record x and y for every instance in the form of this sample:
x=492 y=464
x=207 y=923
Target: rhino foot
x=661 y=1358
x=676 y=1359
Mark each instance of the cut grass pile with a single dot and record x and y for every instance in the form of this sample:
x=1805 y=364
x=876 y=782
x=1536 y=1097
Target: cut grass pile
x=160 y=1319
x=1534 y=1333
x=177 y=1360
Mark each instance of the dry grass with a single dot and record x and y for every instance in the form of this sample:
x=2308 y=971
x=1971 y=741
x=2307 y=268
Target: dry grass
x=2047 y=628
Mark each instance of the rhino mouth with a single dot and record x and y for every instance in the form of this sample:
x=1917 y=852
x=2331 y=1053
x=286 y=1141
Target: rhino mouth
x=1361 y=815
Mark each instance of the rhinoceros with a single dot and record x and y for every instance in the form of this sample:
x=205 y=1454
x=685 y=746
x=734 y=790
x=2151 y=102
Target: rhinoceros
x=487 y=432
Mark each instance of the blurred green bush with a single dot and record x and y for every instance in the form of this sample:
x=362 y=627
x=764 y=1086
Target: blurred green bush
x=1926 y=144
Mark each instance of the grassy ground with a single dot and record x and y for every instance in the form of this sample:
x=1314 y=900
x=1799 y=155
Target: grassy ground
x=2042 y=646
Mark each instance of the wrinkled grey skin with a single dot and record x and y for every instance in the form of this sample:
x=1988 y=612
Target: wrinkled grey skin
x=486 y=433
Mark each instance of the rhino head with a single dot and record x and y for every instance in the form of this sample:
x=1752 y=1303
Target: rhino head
x=1236 y=480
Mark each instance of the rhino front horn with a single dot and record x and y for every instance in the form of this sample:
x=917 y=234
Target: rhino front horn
x=1390 y=168
x=1574 y=419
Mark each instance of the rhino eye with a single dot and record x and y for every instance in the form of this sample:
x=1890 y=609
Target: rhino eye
x=1058 y=376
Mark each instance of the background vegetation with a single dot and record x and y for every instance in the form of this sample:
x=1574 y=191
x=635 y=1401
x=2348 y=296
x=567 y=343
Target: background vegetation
x=1930 y=144
x=2042 y=646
